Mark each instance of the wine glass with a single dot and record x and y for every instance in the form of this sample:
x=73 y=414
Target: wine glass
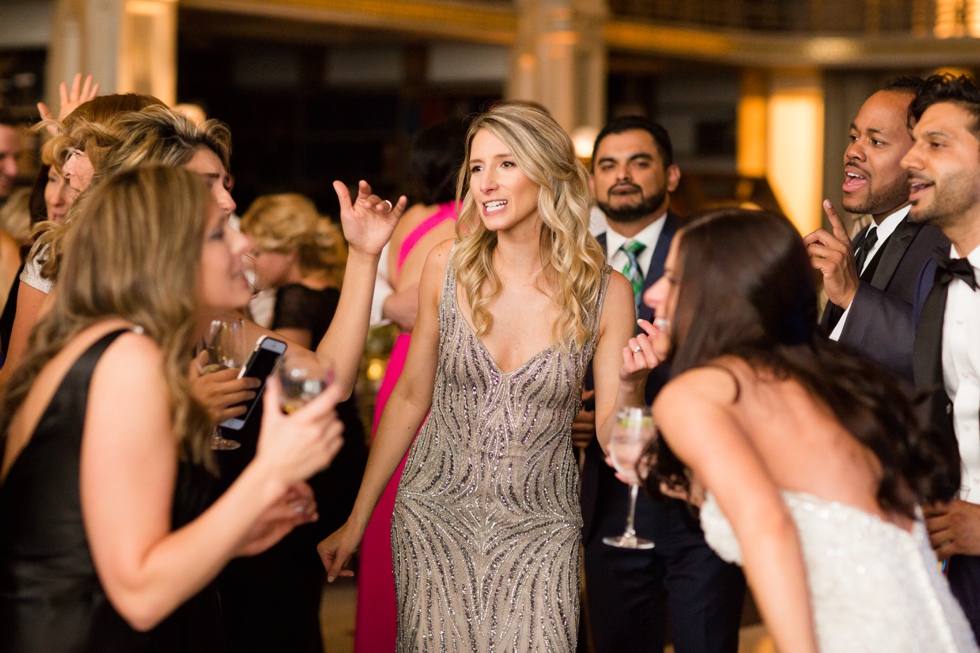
x=302 y=376
x=255 y=282
x=632 y=431
x=225 y=344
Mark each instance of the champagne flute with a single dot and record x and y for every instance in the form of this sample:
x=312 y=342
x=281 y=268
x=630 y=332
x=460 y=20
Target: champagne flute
x=302 y=376
x=632 y=431
x=225 y=345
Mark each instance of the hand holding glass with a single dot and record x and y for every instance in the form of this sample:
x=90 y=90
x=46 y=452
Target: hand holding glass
x=225 y=344
x=302 y=376
x=632 y=431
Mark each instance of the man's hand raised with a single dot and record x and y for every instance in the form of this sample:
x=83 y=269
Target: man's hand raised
x=833 y=255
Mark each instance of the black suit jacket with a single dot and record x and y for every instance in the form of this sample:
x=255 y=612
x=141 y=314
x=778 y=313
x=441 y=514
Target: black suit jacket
x=928 y=359
x=595 y=467
x=880 y=324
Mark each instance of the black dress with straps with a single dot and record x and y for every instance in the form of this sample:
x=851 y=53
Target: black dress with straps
x=51 y=599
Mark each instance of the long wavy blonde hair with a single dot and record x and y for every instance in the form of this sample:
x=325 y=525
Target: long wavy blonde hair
x=134 y=253
x=289 y=221
x=572 y=258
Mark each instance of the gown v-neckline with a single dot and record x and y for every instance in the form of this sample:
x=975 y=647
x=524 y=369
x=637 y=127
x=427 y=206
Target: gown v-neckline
x=472 y=333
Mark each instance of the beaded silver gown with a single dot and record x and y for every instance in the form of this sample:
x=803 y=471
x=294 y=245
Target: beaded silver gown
x=873 y=586
x=487 y=524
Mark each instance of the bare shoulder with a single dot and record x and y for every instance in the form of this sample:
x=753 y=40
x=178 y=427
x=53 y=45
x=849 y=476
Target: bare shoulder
x=438 y=258
x=434 y=272
x=131 y=364
x=618 y=302
x=698 y=389
x=8 y=245
x=619 y=288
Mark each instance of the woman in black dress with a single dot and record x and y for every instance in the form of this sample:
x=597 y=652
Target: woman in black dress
x=105 y=529
x=271 y=602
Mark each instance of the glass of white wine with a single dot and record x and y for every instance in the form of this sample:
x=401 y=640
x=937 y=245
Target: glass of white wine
x=632 y=431
x=225 y=344
x=302 y=376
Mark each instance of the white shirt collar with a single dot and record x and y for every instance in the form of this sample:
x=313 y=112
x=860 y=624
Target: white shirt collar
x=973 y=257
x=649 y=236
x=890 y=224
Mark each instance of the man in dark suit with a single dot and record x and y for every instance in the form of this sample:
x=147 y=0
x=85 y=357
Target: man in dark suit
x=870 y=282
x=629 y=591
x=944 y=175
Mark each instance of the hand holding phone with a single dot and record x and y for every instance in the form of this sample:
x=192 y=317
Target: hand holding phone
x=260 y=364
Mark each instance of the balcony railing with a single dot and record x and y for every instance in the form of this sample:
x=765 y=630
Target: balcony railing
x=944 y=18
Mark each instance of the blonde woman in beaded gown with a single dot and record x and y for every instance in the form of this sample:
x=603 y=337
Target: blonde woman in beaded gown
x=487 y=525
x=810 y=459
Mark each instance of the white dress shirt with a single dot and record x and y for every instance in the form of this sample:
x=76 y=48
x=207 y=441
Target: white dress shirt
x=649 y=236
x=961 y=372
x=885 y=229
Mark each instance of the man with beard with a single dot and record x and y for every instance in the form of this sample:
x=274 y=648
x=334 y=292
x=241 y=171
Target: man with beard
x=944 y=170
x=9 y=155
x=870 y=282
x=629 y=591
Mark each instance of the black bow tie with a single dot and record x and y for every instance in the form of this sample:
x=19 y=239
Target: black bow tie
x=948 y=269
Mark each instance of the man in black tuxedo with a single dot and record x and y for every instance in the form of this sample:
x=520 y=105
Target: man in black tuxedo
x=944 y=175
x=870 y=282
x=629 y=591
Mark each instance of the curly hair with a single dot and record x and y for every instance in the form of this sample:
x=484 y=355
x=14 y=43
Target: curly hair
x=571 y=255
x=286 y=222
x=135 y=254
x=154 y=135
x=746 y=289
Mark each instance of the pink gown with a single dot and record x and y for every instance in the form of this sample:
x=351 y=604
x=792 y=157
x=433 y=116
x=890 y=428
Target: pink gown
x=376 y=624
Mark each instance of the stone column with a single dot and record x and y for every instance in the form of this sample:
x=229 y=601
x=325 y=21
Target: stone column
x=794 y=144
x=128 y=46
x=559 y=60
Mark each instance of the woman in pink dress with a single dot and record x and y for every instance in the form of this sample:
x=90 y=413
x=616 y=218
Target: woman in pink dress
x=437 y=155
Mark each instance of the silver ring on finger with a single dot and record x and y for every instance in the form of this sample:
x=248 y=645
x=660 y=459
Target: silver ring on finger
x=390 y=205
x=637 y=349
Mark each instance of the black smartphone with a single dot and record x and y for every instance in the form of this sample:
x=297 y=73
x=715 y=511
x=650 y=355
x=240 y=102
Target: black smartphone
x=260 y=365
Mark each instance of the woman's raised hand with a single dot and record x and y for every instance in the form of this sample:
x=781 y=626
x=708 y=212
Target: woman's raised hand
x=297 y=446
x=369 y=220
x=640 y=355
x=70 y=100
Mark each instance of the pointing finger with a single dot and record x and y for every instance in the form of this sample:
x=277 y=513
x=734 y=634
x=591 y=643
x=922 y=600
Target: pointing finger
x=839 y=231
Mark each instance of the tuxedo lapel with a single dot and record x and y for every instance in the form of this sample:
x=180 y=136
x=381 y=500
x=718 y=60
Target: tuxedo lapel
x=894 y=249
x=927 y=354
x=927 y=359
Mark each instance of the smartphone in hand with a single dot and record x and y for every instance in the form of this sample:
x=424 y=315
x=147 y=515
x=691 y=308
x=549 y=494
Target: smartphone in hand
x=260 y=365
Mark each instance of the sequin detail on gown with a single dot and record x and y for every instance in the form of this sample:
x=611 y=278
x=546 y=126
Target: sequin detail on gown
x=487 y=524
x=873 y=586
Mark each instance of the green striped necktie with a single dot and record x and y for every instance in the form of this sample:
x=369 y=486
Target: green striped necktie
x=631 y=270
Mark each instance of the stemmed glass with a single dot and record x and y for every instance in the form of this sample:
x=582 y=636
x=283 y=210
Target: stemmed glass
x=632 y=431
x=255 y=283
x=225 y=344
x=303 y=376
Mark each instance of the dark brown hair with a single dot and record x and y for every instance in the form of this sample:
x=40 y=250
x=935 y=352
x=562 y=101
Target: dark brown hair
x=747 y=290
x=962 y=91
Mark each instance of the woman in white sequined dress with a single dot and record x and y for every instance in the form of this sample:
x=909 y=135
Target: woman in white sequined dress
x=808 y=459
